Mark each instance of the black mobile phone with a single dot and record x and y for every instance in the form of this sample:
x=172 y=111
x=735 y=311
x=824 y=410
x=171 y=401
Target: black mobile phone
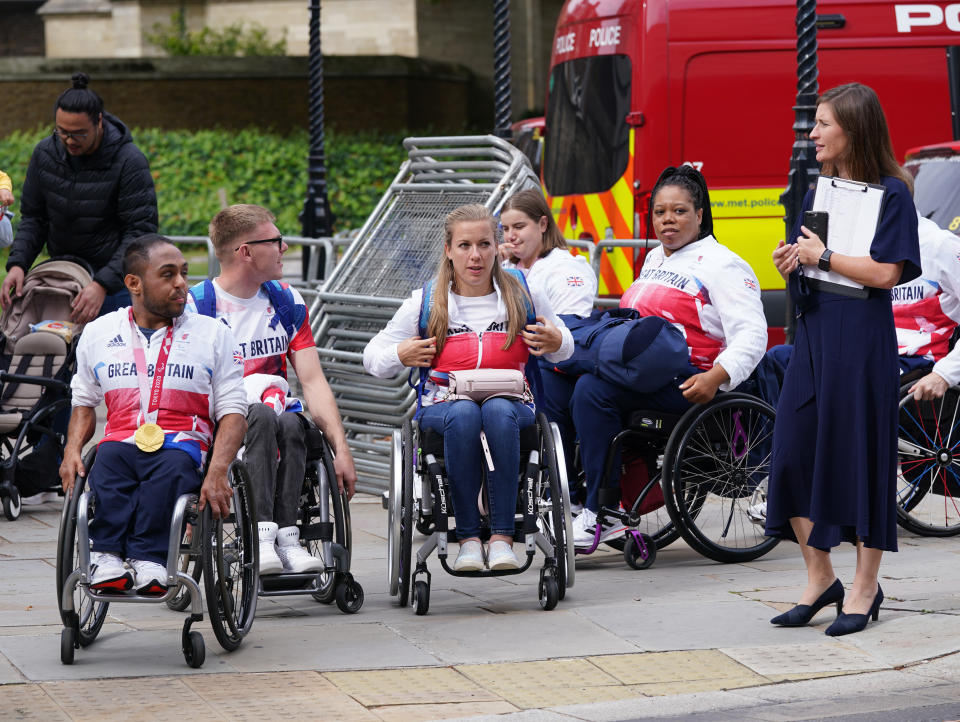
x=816 y=221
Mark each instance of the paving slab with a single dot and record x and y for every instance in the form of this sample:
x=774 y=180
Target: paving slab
x=8 y=672
x=909 y=637
x=545 y=683
x=804 y=658
x=668 y=668
x=431 y=686
x=517 y=636
x=282 y=645
x=123 y=654
x=157 y=698
x=30 y=702
x=691 y=625
x=281 y=695
x=453 y=710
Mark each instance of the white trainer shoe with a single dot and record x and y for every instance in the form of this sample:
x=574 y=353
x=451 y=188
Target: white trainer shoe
x=585 y=525
x=108 y=573
x=149 y=577
x=500 y=555
x=269 y=561
x=757 y=513
x=293 y=556
x=37 y=499
x=470 y=558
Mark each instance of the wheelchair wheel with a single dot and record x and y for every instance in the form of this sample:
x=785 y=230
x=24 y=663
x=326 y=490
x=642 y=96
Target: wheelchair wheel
x=928 y=464
x=90 y=614
x=632 y=553
x=715 y=458
x=406 y=528
x=557 y=518
x=230 y=551
x=310 y=516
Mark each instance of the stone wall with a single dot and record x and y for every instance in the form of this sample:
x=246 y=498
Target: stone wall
x=21 y=29
x=361 y=93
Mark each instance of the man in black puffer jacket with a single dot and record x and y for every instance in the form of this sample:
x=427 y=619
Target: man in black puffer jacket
x=88 y=193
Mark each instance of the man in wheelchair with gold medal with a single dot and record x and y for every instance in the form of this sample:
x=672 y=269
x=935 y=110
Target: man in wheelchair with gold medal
x=167 y=380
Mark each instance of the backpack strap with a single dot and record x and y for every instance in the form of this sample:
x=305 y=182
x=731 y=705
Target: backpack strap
x=205 y=298
x=426 y=303
x=288 y=312
x=532 y=368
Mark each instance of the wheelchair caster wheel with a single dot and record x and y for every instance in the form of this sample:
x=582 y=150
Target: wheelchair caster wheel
x=194 y=650
x=68 y=643
x=549 y=592
x=633 y=556
x=349 y=596
x=421 y=598
x=324 y=597
x=12 y=505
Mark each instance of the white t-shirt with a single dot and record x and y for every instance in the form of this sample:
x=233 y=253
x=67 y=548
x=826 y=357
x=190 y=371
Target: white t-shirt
x=262 y=339
x=566 y=280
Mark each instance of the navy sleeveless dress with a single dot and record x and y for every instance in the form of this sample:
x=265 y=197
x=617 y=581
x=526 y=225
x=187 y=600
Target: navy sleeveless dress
x=834 y=456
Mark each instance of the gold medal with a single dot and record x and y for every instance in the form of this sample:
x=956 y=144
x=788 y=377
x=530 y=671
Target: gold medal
x=149 y=438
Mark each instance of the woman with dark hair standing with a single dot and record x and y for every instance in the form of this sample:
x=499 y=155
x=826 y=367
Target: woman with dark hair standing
x=706 y=291
x=88 y=192
x=834 y=466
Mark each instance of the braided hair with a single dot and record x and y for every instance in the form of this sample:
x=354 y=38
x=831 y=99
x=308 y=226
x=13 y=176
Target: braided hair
x=693 y=182
x=80 y=99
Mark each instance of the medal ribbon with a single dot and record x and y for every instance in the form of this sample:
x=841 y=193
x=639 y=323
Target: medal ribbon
x=150 y=398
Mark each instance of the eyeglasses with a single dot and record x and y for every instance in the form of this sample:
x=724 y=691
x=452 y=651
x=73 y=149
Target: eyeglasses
x=278 y=240
x=67 y=135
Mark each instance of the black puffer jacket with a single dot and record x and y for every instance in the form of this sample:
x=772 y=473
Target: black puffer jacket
x=89 y=206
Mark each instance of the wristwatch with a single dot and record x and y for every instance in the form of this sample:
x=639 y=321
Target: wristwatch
x=824 y=263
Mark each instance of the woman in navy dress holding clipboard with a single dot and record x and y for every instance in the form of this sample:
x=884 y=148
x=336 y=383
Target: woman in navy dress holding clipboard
x=834 y=466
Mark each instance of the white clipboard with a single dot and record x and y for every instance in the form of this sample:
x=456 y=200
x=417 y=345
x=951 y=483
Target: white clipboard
x=853 y=210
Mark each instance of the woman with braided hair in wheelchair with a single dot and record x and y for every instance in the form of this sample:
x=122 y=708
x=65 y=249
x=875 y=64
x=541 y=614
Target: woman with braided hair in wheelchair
x=479 y=317
x=697 y=286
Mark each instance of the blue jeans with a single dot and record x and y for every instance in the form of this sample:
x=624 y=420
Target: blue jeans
x=460 y=423
x=599 y=410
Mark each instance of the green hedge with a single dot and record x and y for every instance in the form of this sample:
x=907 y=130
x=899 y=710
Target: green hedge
x=191 y=167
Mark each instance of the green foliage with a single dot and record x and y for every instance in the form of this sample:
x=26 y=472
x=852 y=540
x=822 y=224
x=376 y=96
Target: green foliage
x=233 y=40
x=191 y=167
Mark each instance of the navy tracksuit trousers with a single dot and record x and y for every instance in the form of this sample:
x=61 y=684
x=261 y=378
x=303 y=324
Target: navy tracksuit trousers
x=135 y=494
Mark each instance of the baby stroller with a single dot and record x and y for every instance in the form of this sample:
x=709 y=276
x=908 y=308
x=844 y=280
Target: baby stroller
x=37 y=360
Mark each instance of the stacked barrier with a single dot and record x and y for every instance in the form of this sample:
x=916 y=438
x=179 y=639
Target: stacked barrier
x=397 y=250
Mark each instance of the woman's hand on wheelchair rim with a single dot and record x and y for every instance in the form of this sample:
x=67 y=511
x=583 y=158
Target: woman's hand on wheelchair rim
x=930 y=387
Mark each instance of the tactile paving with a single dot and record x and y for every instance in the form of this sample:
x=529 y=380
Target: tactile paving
x=277 y=695
x=153 y=698
x=29 y=702
x=804 y=659
x=677 y=667
x=546 y=683
x=425 y=685
x=455 y=710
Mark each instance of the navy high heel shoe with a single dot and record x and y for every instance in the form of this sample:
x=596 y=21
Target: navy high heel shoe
x=803 y=613
x=850 y=623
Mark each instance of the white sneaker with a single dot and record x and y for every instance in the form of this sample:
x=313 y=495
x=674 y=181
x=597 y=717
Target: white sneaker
x=108 y=573
x=585 y=525
x=576 y=508
x=37 y=499
x=293 y=556
x=757 y=513
x=149 y=577
x=500 y=555
x=470 y=558
x=269 y=561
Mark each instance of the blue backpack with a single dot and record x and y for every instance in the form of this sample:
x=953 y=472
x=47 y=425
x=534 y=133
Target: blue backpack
x=288 y=311
x=641 y=353
x=531 y=370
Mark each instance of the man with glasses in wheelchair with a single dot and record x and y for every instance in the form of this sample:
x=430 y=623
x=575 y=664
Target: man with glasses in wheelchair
x=167 y=379
x=271 y=324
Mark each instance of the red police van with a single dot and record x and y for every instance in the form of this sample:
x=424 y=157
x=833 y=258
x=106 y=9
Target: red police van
x=637 y=85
